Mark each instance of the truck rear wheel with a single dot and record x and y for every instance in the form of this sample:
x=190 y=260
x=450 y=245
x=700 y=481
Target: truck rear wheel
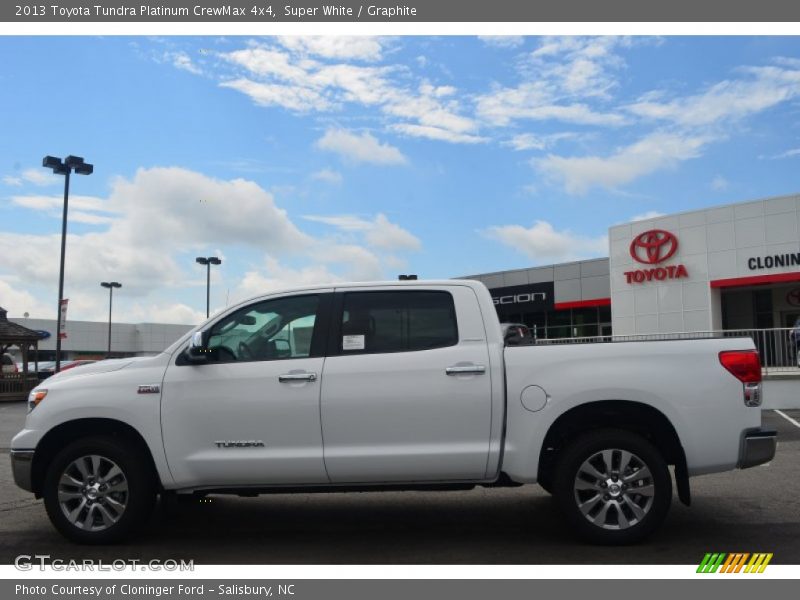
x=613 y=486
x=98 y=490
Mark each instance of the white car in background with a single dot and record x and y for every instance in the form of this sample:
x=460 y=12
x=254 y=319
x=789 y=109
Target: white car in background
x=9 y=366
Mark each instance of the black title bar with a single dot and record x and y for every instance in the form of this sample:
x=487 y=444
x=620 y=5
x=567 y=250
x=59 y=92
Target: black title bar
x=265 y=11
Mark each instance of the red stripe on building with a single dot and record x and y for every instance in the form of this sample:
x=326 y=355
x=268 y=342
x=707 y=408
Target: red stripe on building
x=583 y=303
x=754 y=280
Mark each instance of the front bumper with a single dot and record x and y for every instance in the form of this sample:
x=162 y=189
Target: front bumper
x=22 y=468
x=757 y=447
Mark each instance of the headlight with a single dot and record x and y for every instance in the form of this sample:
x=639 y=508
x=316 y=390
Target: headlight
x=35 y=397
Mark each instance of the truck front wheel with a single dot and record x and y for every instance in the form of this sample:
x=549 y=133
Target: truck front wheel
x=613 y=486
x=98 y=490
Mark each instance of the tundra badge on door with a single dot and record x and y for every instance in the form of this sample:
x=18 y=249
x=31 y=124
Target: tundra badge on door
x=240 y=444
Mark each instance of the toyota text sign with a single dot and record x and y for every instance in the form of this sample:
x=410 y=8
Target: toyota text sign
x=653 y=248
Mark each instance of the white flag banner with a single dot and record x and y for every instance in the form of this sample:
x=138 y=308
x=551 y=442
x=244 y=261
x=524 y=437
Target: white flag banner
x=62 y=332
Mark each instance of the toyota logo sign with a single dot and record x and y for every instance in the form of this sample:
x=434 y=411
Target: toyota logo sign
x=793 y=297
x=654 y=246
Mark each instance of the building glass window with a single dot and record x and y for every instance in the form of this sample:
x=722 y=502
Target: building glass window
x=763 y=308
x=558 y=324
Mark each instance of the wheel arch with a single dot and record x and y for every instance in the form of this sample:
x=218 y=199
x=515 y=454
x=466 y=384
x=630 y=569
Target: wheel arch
x=636 y=417
x=70 y=431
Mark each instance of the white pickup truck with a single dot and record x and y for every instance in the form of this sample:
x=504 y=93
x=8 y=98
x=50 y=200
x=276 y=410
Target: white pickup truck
x=398 y=385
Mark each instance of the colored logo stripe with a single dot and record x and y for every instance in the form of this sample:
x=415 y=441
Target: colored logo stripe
x=758 y=563
x=710 y=563
x=734 y=562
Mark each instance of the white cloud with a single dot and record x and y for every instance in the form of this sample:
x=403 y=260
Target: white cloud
x=38 y=177
x=273 y=276
x=719 y=183
x=502 y=41
x=332 y=263
x=177 y=313
x=357 y=263
x=579 y=66
x=388 y=236
x=437 y=133
x=90 y=258
x=557 y=80
x=18 y=302
x=41 y=177
x=290 y=78
x=358 y=47
x=652 y=153
x=760 y=88
x=181 y=60
x=533 y=141
x=535 y=101
x=788 y=154
x=295 y=98
x=328 y=176
x=82 y=209
x=184 y=208
x=543 y=243
x=50 y=203
x=160 y=213
x=364 y=148
x=650 y=214
x=378 y=233
x=152 y=225
x=79 y=216
x=343 y=222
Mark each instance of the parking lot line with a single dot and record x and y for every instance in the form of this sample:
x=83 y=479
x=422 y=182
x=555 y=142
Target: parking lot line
x=788 y=418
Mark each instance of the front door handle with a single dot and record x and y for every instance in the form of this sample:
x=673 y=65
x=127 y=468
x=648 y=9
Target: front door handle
x=294 y=377
x=465 y=370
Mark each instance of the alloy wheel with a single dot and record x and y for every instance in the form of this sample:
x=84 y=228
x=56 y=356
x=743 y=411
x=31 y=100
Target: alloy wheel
x=614 y=489
x=93 y=492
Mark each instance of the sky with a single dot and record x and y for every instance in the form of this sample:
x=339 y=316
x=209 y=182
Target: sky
x=302 y=160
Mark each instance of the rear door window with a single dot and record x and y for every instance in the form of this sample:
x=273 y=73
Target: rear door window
x=400 y=321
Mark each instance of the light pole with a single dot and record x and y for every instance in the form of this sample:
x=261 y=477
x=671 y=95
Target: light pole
x=65 y=167
x=208 y=261
x=110 y=285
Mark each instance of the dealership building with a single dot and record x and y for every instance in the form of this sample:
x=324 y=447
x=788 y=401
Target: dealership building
x=734 y=267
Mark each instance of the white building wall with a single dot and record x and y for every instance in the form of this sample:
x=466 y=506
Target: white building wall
x=713 y=244
x=92 y=336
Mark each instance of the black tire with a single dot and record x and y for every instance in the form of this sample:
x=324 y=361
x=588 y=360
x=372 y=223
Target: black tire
x=546 y=483
x=615 y=515
x=99 y=520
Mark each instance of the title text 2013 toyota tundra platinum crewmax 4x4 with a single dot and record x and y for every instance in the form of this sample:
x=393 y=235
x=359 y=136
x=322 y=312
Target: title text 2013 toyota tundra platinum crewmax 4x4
x=390 y=385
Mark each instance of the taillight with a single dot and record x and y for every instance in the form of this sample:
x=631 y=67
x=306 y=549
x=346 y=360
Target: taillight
x=742 y=364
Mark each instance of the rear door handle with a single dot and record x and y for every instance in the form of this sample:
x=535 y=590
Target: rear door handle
x=466 y=370
x=293 y=377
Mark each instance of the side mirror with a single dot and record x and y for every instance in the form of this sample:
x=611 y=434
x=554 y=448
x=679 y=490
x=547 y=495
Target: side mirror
x=512 y=337
x=197 y=353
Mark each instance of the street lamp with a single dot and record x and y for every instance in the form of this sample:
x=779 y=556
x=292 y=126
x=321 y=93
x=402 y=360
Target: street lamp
x=208 y=261
x=65 y=167
x=110 y=285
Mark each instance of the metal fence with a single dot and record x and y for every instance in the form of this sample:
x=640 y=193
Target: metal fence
x=776 y=347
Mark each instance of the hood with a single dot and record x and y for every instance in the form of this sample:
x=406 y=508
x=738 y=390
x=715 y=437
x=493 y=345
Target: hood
x=102 y=366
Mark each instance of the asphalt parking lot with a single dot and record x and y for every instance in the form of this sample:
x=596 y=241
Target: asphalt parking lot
x=756 y=510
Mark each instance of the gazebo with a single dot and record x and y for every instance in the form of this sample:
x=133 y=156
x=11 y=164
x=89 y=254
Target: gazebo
x=15 y=386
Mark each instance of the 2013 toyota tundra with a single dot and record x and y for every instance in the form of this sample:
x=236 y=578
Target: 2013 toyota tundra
x=398 y=385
